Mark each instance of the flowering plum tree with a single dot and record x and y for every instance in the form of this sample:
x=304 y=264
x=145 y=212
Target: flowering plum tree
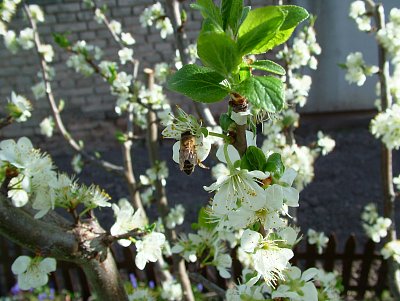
x=370 y=17
x=251 y=198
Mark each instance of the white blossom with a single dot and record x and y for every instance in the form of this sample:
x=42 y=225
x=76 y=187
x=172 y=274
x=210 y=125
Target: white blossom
x=19 y=107
x=47 y=126
x=10 y=41
x=297 y=286
x=127 y=39
x=125 y=55
x=36 y=12
x=386 y=126
x=99 y=16
x=149 y=249
x=39 y=90
x=357 y=70
x=392 y=249
x=317 y=238
x=116 y=27
x=358 y=12
x=175 y=217
x=171 y=290
x=47 y=52
x=25 y=39
x=32 y=272
x=122 y=82
x=326 y=143
x=126 y=220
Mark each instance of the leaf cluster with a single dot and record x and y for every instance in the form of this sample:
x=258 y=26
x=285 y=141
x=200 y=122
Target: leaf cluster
x=230 y=33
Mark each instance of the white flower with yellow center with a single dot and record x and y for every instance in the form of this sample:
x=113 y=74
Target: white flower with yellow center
x=269 y=260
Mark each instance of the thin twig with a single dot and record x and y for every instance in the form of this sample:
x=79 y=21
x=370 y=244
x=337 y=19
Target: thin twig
x=56 y=112
x=161 y=196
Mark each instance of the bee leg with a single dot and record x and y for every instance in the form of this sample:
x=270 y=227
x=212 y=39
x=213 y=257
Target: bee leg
x=202 y=165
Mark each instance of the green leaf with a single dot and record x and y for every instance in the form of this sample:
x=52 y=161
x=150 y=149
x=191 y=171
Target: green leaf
x=245 y=12
x=225 y=122
x=61 y=105
x=199 y=83
x=263 y=92
x=61 y=40
x=231 y=11
x=269 y=66
x=259 y=27
x=120 y=136
x=244 y=72
x=209 y=11
x=218 y=51
x=253 y=159
x=275 y=165
x=294 y=16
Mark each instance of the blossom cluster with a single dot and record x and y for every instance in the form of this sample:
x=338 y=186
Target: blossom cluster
x=358 y=12
x=155 y=14
x=386 y=126
x=78 y=61
x=375 y=226
x=300 y=158
x=303 y=50
x=389 y=36
x=357 y=69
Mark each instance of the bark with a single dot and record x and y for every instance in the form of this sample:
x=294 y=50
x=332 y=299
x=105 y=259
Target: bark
x=386 y=153
x=104 y=279
x=161 y=197
x=44 y=238
x=173 y=13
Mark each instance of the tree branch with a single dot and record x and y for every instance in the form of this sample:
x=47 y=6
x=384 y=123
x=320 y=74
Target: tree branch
x=35 y=234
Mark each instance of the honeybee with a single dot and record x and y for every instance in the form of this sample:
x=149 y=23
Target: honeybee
x=187 y=153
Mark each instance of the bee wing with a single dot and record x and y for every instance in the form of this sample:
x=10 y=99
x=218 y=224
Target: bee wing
x=175 y=152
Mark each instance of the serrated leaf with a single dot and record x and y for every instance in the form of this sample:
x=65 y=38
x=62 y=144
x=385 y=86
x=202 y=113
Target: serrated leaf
x=218 y=51
x=275 y=165
x=263 y=92
x=209 y=11
x=294 y=16
x=199 y=83
x=269 y=66
x=259 y=27
x=231 y=11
